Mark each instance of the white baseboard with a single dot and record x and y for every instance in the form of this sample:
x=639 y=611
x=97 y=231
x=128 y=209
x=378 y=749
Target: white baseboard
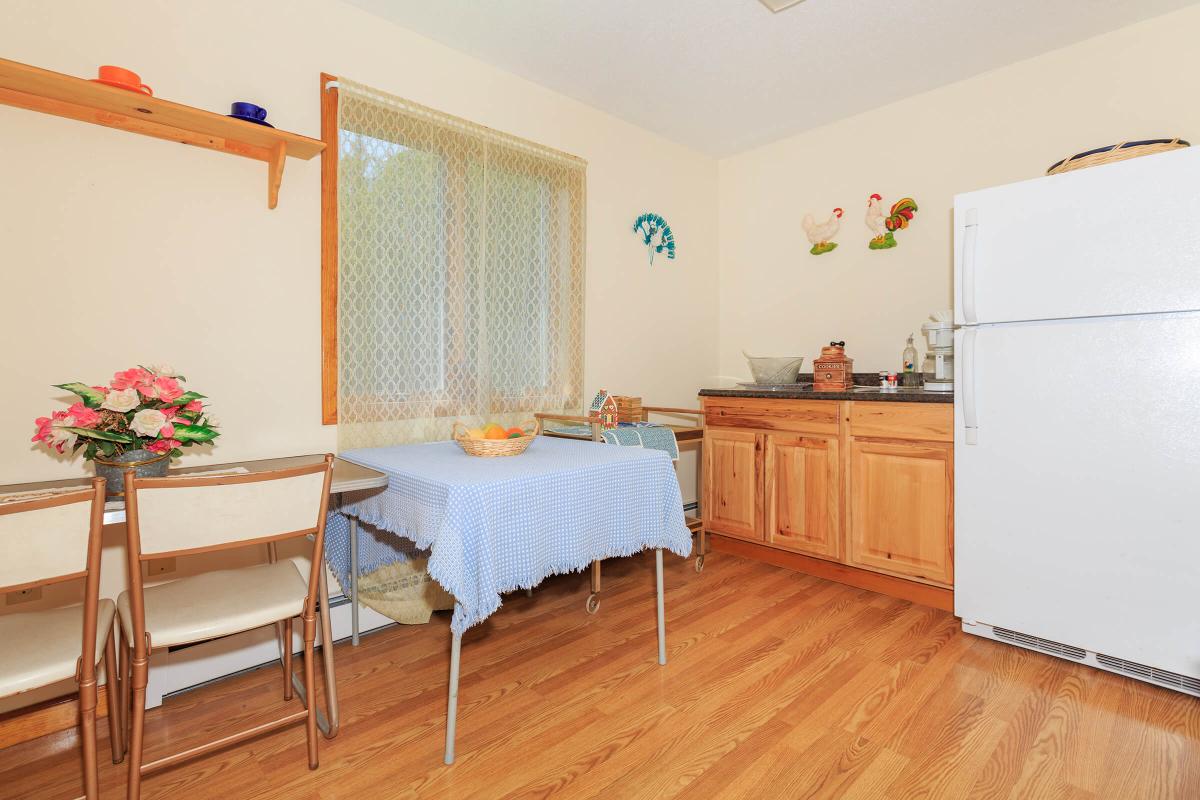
x=178 y=670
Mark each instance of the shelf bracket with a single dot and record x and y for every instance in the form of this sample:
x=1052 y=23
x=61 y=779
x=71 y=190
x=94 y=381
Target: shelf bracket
x=275 y=173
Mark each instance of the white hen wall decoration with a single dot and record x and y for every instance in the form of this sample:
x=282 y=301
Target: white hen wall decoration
x=820 y=235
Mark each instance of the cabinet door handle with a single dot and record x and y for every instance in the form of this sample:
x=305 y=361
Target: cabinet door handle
x=970 y=234
x=970 y=409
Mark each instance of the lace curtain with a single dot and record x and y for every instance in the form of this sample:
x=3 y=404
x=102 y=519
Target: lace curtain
x=460 y=275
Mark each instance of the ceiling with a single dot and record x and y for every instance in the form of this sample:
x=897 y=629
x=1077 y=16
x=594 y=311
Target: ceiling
x=726 y=75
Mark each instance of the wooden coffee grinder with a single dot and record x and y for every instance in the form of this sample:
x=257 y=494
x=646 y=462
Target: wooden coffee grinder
x=832 y=370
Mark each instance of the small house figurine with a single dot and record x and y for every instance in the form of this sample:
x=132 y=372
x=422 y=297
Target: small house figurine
x=604 y=410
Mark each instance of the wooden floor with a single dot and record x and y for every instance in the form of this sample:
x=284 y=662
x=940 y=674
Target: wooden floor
x=779 y=685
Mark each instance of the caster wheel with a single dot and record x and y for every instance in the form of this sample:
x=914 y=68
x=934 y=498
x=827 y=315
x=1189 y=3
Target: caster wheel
x=699 y=563
x=593 y=603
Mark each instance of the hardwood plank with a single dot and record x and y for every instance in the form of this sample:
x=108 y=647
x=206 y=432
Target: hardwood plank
x=59 y=714
x=779 y=684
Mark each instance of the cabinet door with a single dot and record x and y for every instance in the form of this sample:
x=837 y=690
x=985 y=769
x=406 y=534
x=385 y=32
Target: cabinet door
x=731 y=482
x=801 y=490
x=901 y=508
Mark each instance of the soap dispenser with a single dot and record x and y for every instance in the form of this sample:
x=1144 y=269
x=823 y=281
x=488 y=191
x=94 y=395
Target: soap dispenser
x=910 y=356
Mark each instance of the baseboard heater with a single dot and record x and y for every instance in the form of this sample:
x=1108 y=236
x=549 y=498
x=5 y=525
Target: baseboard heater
x=1186 y=684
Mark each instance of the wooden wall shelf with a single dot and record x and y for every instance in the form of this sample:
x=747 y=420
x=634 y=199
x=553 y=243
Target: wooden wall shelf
x=49 y=92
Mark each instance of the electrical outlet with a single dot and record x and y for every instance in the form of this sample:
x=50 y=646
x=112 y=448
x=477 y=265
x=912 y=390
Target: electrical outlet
x=24 y=596
x=160 y=566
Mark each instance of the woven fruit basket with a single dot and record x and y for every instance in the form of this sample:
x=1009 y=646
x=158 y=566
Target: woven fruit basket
x=495 y=448
x=1115 y=152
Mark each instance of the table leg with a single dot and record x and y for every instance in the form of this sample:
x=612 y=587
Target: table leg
x=354 y=581
x=452 y=702
x=662 y=624
x=593 y=599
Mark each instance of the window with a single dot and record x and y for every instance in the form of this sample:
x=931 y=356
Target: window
x=459 y=263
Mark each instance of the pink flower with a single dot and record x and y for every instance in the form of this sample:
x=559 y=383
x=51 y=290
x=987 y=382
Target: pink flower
x=168 y=388
x=84 y=417
x=163 y=445
x=134 y=378
x=195 y=405
x=52 y=431
x=165 y=389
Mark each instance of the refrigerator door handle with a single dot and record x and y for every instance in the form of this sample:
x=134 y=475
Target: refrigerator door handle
x=970 y=412
x=970 y=232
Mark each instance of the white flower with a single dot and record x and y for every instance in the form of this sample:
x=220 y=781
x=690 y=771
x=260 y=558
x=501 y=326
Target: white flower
x=121 y=400
x=165 y=370
x=148 y=422
x=61 y=439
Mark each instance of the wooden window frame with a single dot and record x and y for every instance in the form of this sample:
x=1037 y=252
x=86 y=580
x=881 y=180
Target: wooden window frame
x=329 y=251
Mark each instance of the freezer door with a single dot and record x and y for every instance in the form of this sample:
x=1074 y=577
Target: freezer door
x=1077 y=507
x=1122 y=238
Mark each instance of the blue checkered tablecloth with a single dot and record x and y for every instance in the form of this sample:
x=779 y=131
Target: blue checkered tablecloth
x=494 y=525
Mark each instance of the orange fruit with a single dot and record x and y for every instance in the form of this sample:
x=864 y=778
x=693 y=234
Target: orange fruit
x=495 y=432
x=513 y=432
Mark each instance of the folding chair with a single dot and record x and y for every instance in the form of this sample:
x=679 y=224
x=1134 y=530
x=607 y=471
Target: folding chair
x=177 y=516
x=48 y=540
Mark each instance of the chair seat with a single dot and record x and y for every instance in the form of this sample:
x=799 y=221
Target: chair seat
x=212 y=604
x=43 y=647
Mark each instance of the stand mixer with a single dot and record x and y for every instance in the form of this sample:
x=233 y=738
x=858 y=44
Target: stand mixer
x=939 y=332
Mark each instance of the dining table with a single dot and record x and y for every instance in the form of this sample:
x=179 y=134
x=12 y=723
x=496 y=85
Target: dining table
x=347 y=477
x=496 y=525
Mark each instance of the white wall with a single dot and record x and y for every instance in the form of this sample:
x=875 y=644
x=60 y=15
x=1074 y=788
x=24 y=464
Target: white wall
x=120 y=249
x=999 y=127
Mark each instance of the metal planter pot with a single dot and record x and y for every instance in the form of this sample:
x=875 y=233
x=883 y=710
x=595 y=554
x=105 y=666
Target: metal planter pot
x=144 y=463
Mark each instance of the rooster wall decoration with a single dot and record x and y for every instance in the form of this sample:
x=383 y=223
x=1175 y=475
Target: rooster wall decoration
x=820 y=235
x=882 y=226
x=656 y=235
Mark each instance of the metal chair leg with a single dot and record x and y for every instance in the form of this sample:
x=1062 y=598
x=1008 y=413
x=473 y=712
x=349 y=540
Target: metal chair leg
x=310 y=722
x=116 y=736
x=140 y=670
x=87 y=724
x=287 y=659
x=329 y=719
x=126 y=686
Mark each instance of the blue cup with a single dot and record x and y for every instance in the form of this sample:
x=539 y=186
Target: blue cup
x=248 y=110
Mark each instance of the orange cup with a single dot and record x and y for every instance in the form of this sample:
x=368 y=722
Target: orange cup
x=123 y=78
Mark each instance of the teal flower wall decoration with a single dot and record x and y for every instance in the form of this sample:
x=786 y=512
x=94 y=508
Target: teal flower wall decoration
x=656 y=235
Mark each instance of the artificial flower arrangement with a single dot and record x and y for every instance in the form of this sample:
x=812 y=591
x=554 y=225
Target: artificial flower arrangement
x=142 y=409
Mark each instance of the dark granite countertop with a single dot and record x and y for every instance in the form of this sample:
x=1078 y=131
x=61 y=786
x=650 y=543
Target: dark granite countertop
x=806 y=392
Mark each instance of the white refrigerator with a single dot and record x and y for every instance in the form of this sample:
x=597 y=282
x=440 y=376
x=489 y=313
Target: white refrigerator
x=1077 y=416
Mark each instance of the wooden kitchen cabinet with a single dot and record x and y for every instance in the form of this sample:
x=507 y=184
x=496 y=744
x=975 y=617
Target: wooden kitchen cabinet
x=801 y=493
x=902 y=508
x=732 y=486
x=860 y=492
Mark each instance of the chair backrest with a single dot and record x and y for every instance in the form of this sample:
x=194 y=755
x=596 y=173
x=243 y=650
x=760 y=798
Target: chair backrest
x=181 y=515
x=50 y=539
